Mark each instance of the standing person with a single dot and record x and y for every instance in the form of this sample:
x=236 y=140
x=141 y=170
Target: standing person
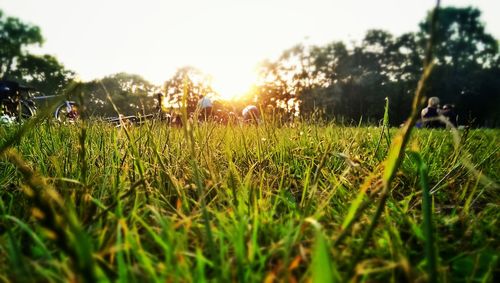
x=205 y=104
x=159 y=97
x=430 y=114
x=160 y=106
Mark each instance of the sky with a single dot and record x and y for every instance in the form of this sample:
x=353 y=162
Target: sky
x=223 y=38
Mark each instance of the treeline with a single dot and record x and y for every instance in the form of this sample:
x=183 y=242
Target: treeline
x=340 y=81
x=130 y=93
x=351 y=82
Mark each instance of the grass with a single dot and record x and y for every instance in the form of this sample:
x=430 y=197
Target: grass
x=244 y=203
x=305 y=202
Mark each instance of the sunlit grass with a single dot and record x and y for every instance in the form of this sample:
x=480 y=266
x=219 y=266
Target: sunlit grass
x=275 y=198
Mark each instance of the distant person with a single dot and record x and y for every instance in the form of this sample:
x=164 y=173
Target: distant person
x=431 y=113
x=159 y=97
x=449 y=113
x=176 y=120
x=251 y=114
x=205 y=104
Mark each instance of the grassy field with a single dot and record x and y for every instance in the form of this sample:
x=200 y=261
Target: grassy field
x=247 y=204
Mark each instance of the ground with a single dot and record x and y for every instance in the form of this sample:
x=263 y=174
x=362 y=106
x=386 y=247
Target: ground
x=244 y=203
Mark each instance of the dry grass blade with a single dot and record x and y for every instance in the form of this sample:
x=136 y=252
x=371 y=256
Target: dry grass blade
x=48 y=207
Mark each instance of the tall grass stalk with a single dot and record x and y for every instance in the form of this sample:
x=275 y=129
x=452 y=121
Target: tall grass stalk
x=397 y=149
x=430 y=250
x=189 y=136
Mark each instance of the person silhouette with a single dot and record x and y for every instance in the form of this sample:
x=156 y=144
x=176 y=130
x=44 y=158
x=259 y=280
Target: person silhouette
x=251 y=114
x=431 y=113
x=205 y=104
x=449 y=113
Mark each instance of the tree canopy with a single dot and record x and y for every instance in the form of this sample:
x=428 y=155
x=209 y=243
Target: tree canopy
x=351 y=82
x=130 y=93
x=44 y=72
x=187 y=81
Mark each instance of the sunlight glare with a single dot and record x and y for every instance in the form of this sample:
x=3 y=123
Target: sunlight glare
x=231 y=84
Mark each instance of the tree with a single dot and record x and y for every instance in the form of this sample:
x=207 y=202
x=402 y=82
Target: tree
x=350 y=83
x=16 y=63
x=353 y=82
x=130 y=93
x=328 y=71
x=190 y=81
x=404 y=68
x=15 y=36
x=461 y=38
x=44 y=73
x=466 y=59
x=282 y=82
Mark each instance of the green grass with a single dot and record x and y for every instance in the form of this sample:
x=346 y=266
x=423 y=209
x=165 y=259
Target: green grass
x=244 y=203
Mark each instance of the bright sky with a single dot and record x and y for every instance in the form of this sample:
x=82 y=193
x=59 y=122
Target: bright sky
x=225 y=38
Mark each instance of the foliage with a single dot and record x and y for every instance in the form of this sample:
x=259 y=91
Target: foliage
x=352 y=82
x=346 y=82
x=131 y=94
x=190 y=82
x=467 y=61
x=15 y=36
x=282 y=82
x=461 y=39
x=44 y=72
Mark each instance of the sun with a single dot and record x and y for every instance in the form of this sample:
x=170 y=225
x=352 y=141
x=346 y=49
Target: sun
x=232 y=84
